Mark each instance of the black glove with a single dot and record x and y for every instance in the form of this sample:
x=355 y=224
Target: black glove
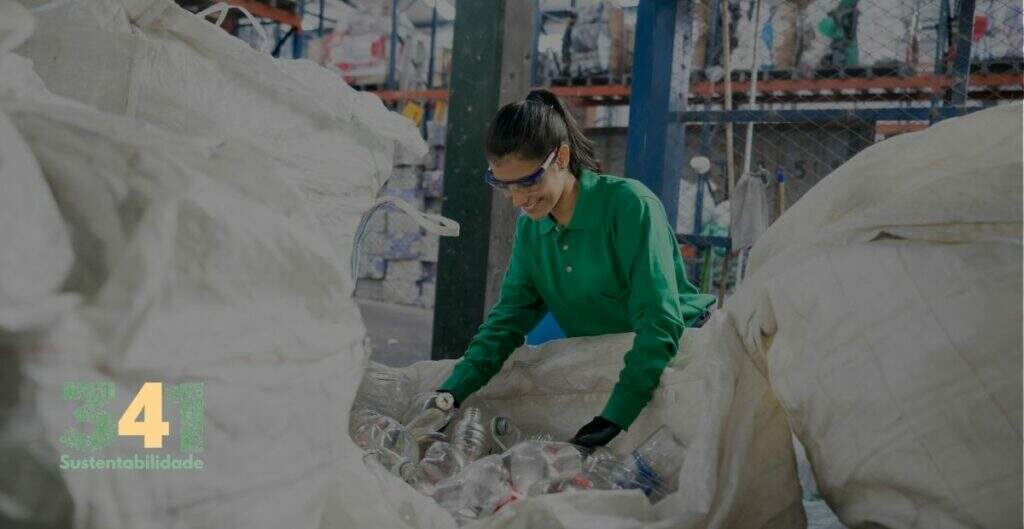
x=595 y=433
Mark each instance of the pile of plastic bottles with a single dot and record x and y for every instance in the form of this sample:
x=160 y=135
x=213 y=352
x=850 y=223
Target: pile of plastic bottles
x=473 y=463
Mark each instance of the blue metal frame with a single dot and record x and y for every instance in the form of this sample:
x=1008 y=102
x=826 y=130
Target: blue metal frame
x=392 y=82
x=652 y=121
x=649 y=101
x=962 y=61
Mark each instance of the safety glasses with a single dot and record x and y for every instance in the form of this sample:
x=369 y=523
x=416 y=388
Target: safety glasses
x=523 y=183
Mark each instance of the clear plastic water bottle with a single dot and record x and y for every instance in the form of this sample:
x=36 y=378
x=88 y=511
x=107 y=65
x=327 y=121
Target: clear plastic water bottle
x=479 y=490
x=426 y=401
x=657 y=462
x=506 y=435
x=599 y=453
x=396 y=464
x=469 y=436
x=430 y=413
x=441 y=461
x=611 y=474
x=534 y=461
x=373 y=432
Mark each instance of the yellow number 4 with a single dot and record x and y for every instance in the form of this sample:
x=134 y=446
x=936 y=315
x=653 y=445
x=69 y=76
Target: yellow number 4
x=153 y=428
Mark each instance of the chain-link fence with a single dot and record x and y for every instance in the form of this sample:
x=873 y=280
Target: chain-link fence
x=833 y=78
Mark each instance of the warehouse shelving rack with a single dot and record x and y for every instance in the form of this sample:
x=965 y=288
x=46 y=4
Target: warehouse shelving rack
x=673 y=97
x=665 y=96
x=850 y=89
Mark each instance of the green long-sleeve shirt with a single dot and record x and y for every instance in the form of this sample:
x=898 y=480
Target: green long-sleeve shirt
x=615 y=268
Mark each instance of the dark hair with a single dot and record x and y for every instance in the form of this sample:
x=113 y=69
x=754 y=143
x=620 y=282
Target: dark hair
x=535 y=126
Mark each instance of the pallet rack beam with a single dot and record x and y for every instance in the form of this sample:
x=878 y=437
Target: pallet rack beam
x=821 y=115
x=269 y=12
x=850 y=88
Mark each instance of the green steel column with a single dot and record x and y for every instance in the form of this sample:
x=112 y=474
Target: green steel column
x=491 y=57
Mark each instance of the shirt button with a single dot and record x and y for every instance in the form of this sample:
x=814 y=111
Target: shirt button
x=565 y=247
x=568 y=269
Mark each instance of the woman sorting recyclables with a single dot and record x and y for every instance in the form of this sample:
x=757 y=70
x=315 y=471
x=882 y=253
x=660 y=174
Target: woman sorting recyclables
x=595 y=250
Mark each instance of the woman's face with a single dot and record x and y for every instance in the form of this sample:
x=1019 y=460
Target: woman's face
x=538 y=200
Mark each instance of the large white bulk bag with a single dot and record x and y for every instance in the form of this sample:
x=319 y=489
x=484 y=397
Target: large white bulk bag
x=197 y=262
x=33 y=263
x=739 y=470
x=153 y=61
x=884 y=307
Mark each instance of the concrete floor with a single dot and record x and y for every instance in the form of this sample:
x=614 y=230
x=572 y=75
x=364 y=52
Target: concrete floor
x=399 y=335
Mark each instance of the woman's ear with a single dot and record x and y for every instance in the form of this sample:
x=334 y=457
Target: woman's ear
x=563 y=156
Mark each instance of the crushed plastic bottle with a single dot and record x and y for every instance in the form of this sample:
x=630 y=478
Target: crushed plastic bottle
x=469 y=436
x=374 y=432
x=430 y=413
x=598 y=454
x=479 y=490
x=657 y=462
x=382 y=390
x=395 y=463
x=554 y=486
x=506 y=435
x=534 y=461
x=441 y=461
x=611 y=474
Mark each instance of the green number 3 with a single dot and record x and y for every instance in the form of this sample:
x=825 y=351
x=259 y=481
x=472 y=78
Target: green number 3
x=94 y=396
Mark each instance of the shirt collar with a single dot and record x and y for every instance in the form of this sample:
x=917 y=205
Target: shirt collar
x=587 y=211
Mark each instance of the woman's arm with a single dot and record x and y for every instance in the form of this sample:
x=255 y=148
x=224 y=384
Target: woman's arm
x=644 y=245
x=518 y=310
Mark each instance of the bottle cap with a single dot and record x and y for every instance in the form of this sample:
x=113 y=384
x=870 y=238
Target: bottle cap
x=501 y=425
x=444 y=401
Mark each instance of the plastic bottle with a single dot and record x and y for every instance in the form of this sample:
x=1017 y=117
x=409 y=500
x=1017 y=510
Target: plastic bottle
x=479 y=490
x=430 y=413
x=425 y=401
x=611 y=474
x=506 y=435
x=382 y=390
x=554 y=486
x=534 y=461
x=396 y=464
x=441 y=461
x=372 y=431
x=657 y=462
x=469 y=436
x=598 y=454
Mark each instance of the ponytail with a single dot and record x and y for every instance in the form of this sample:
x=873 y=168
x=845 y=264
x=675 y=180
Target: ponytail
x=532 y=128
